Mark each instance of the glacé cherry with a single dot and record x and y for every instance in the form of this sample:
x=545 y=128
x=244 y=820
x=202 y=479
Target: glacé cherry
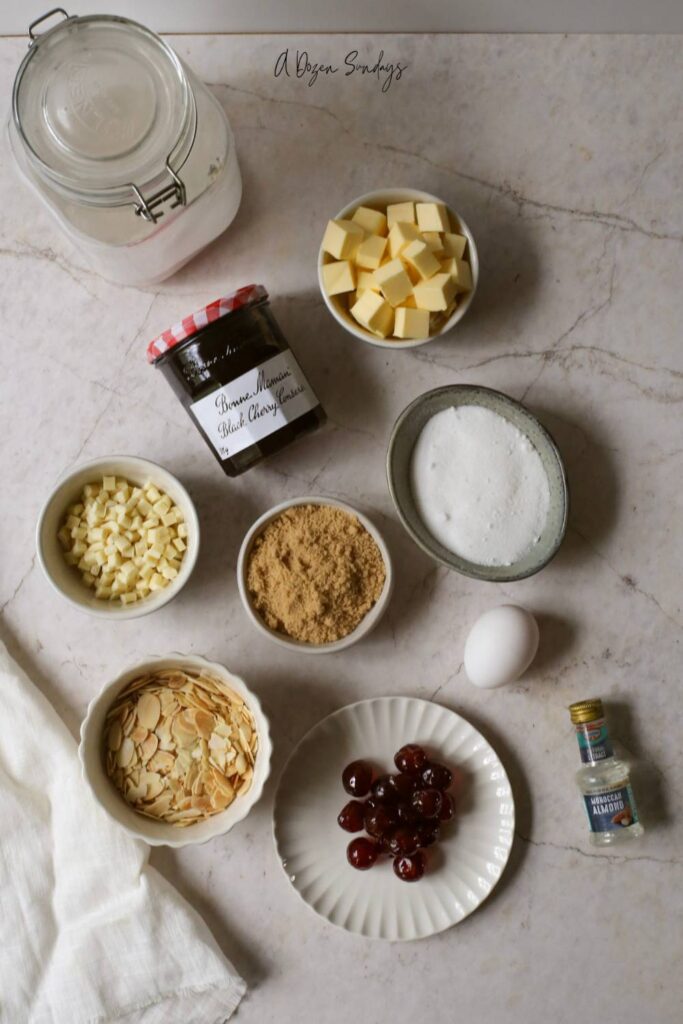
x=357 y=778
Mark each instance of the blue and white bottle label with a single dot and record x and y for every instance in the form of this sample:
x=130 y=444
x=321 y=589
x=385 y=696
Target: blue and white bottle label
x=611 y=809
x=594 y=742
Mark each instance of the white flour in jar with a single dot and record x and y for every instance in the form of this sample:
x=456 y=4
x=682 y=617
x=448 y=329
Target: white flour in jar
x=479 y=485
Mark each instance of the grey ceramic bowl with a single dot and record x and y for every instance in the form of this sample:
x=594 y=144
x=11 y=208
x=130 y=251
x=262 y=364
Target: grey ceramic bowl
x=403 y=437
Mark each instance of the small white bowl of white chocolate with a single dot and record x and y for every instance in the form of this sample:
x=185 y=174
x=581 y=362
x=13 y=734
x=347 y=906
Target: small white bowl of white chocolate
x=118 y=537
x=397 y=268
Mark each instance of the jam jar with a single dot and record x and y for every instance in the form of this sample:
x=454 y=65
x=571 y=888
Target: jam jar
x=232 y=369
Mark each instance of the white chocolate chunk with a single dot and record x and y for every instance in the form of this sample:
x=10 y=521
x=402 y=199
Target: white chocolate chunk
x=105 y=536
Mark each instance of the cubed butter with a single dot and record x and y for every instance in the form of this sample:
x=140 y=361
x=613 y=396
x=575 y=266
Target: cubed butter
x=435 y=242
x=403 y=213
x=365 y=280
x=341 y=239
x=372 y=221
x=432 y=217
x=436 y=293
x=374 y=313
x=420 y=256
x=411 y=323
x=461 y=273
x=401 y=235
x=394 y=282
x=370 y=252
x=109 y=483
x=339 y=277
x=454 y=245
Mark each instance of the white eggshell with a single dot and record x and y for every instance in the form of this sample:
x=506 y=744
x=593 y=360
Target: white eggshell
x=501 y=645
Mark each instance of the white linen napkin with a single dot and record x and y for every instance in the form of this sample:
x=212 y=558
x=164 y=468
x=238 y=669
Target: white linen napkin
x=89 y=932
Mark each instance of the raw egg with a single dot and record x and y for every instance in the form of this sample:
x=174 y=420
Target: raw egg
x=501 y=645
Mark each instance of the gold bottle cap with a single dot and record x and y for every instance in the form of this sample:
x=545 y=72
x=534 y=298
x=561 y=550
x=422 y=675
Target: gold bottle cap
x=586 y=711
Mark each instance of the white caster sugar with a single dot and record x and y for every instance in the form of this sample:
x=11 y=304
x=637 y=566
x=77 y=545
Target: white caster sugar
x=479 y=485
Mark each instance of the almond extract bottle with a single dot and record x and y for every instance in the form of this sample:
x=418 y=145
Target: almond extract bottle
x=603 y=779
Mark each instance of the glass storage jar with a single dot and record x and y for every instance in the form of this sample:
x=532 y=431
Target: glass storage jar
x=232 y=369
x=129 y=151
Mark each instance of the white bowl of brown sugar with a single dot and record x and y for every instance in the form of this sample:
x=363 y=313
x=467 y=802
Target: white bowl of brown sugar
x=314 y=575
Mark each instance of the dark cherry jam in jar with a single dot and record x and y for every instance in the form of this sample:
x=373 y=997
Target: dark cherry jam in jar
x=232 y=369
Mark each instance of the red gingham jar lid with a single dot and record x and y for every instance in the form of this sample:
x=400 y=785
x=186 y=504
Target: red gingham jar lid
x=189 y=325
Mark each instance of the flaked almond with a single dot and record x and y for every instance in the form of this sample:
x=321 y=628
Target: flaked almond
x=159 y=807
x=148 y=747
x=148 y=710
x=205 y=723
x=179 y=746
x=139 y=734
x=115 y=735
x=161 y=762
x=125 y=753
x=154 y=784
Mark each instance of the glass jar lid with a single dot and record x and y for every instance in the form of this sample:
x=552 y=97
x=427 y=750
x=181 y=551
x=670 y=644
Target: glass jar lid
x=104 y=109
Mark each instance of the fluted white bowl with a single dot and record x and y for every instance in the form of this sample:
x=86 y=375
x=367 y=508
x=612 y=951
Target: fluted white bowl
x=462 y=869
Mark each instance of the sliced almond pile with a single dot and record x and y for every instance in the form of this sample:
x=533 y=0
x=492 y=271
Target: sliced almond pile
x=179 y=746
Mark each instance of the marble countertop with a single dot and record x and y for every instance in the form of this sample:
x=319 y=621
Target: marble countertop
x=564 y=155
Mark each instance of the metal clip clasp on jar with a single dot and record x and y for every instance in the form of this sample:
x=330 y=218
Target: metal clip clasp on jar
x=173 y=193
x=176 y=191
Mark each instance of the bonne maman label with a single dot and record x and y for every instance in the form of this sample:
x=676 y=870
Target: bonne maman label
x=254 y=405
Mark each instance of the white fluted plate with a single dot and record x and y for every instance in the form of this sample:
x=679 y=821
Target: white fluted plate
x=463 y=868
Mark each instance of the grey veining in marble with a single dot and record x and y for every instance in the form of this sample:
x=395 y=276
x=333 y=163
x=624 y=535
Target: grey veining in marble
x=565 y=156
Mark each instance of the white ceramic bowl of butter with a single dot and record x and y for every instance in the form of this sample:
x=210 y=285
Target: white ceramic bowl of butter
x=162 y=833
x=65 y=579
x=379 y=200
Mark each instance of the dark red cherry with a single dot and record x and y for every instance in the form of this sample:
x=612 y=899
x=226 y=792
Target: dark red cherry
x=405 y=785
x=428 y=832
x=427 y=802
x=407 y=815
x=404 y=841
x=410 y=869
x=411 y=759
x=357 y=778
x=381 y=819
x=362 y=853
x=447 y=807
x=383 y=789
x=384 y=842
x=437 y=776
x=351 y=816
